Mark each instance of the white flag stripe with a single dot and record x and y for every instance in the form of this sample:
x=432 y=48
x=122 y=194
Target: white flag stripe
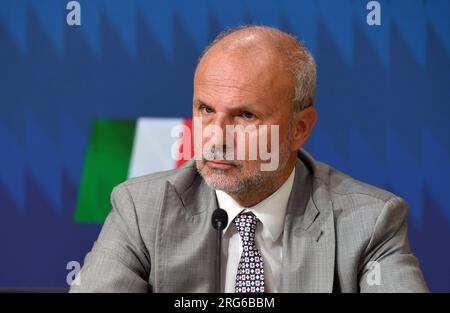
x=152 y=146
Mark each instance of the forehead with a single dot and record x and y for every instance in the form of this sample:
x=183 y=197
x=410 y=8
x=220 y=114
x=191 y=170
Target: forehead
x=252 y=74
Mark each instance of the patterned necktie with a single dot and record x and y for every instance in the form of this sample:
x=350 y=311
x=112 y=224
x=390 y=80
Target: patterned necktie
x=250 y=274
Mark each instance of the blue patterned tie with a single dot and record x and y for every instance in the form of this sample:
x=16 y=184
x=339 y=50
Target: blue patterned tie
x=250 y=275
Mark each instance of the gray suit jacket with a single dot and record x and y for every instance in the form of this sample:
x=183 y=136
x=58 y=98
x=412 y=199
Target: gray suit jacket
x=339 y=235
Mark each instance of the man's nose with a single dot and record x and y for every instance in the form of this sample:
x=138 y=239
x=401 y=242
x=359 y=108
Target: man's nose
x=218 y=139
x=222 y=120
x=220 y=123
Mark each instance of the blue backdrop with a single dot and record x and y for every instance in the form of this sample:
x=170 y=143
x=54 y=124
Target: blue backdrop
x=383 y=101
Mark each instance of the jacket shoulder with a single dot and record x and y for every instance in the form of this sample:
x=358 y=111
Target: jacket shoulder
x=358 y=204
x=180 y=178
x=344 y=184
x=146 y=193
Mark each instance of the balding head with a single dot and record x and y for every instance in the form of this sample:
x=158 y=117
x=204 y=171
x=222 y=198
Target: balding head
x=294 y=57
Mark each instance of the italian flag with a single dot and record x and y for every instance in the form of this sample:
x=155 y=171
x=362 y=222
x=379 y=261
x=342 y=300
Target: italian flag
x=121 y=149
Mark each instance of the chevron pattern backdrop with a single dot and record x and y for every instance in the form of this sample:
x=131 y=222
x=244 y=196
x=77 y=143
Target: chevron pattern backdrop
x=383 y=101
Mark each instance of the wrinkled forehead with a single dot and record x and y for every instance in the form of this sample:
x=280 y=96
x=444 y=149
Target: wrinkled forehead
x=242 y=68
x=256 y=69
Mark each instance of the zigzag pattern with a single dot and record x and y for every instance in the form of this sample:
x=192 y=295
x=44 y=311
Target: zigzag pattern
x=409 y=16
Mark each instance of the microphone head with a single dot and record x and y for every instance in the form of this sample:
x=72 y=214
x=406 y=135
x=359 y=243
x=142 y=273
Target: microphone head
x=219 y=219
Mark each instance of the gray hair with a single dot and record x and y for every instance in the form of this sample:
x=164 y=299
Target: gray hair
x=299 y=61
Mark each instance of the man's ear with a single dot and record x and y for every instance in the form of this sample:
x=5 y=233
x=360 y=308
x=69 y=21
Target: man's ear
x=304 y=122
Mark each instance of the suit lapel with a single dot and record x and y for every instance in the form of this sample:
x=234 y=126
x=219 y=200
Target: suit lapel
x=185 y=242
x=308 y=237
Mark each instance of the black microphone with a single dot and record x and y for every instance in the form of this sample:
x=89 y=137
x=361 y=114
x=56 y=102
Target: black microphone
x=219 y=221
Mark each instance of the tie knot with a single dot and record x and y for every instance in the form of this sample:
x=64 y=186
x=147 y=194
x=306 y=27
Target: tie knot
x=246 y=226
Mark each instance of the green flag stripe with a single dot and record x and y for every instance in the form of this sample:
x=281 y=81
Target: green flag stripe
x=106 y=165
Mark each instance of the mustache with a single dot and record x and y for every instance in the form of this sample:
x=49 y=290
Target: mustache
x=212 y=152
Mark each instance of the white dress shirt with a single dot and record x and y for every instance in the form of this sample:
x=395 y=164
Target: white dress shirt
x=270 y=213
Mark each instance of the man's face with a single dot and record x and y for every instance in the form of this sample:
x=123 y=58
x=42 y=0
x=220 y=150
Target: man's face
x=249 y=89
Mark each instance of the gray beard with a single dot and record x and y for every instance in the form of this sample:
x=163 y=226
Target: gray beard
x=257 y=182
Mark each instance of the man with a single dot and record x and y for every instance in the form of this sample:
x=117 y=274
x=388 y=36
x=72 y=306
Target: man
x=299 y=227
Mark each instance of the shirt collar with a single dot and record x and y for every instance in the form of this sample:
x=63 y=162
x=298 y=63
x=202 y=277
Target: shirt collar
x=270 y=211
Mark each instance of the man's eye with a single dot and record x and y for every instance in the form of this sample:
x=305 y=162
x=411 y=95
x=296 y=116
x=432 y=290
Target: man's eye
x=248 y=115
x=206 y=110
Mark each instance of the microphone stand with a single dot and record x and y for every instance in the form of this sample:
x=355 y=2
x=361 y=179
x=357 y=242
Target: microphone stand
x=219 y=221
x=219 y=257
